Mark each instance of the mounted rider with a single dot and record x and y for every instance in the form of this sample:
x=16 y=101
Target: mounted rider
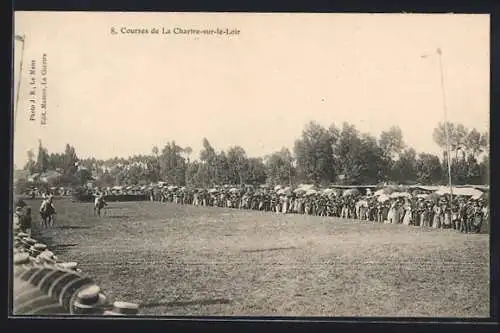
x=47 y=210
x=99 y=203
x=48 y=203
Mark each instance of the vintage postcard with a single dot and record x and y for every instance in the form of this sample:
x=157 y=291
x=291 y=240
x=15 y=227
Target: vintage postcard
x=244 y=164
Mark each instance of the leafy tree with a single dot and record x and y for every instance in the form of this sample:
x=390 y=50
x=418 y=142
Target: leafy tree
x=314 y=154
x=484 y=170
x=70 y=160
x=476 y=143
x=192 y=175
x=30 y=165
x=347 y=152
x=188 y=151
x=42 y=162
x=280 y=169
x=223 y=169
x=405 y=168
x=372 y=163
x=208 y=157
x=457 y=134
x=173 y=165
x=256 y=171
x=391 y=142
x=83 y=175
x=428 y=169
x=238 y=167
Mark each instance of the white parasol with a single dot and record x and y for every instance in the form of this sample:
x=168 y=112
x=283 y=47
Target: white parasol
x=311 y=192
x=382 y=198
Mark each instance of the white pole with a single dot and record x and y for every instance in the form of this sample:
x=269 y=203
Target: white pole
x=445 y=124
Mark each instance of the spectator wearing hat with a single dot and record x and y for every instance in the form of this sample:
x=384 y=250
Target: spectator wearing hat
x=26 y=221
x=477 y=219
x=436 y=221
x=446 y=215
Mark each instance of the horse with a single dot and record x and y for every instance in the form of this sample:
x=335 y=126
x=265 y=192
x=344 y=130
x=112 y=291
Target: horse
x=47 y=212
x=99 y=204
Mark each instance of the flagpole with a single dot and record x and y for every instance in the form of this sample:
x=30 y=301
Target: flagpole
x=446 y=124
x=21 y=39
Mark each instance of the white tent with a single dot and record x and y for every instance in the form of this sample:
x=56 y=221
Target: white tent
x=306 y=186
x=460 y=191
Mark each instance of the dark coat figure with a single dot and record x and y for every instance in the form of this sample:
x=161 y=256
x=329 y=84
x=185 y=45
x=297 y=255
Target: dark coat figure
x=26 y=220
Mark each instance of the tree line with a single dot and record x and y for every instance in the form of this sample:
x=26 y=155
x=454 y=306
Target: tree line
x=321 y=155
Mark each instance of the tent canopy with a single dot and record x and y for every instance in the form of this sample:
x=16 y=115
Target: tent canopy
x=460 y=191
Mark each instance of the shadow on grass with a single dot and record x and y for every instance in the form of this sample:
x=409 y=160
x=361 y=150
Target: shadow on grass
x=187 y=303
x=62 y=248
x=270 y=249
x=72 y=227
x=116 y=216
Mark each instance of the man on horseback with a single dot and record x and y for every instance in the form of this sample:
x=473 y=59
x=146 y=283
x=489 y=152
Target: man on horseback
x=47 y=210
x=99 y=204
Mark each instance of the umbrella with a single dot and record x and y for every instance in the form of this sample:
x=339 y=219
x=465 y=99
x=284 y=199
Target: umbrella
x=286 y=191
x=476 y=197
x=388 y=190
x=400 y=195
x=337 y=192
x=212 y=190
x=433 y=196
x=311 y=192
x=299 y=191
x=328 y=191
x=382 y=198
x=350 y=192
x=277 y=187
x=234 y=190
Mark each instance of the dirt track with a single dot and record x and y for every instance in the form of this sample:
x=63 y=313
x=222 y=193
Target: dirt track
x=184 y=260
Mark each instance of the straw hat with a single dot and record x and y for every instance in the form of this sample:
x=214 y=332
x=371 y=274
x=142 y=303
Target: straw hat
x=22 y=235
x=68 y=265
x=28 y=242
x=40 y=247
x=123 y=309
x=47 y=256
x=21 y=259
x=87 y=299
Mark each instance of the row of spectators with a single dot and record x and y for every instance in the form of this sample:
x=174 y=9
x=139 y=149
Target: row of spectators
x=463 y=213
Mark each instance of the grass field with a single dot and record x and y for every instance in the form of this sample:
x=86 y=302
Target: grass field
x=184 y=260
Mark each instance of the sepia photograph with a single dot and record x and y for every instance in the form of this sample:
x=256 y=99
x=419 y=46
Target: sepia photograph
x=251 y=164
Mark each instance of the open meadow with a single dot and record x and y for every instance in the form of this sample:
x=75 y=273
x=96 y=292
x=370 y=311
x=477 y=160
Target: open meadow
x=185 y=260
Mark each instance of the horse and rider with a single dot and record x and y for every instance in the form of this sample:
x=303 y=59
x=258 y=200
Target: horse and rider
x=47 y=211
x=99 y=203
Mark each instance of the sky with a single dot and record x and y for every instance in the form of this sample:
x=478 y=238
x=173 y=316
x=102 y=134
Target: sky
x=121 y=94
